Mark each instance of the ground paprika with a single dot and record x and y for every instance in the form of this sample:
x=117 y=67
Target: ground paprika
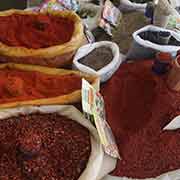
x=139 y=104
x=18 y=85
x=35 y=31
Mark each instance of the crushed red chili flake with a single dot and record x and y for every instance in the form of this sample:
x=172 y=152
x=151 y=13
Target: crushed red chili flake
x=43 y=146
x=139 y=104
x=30 y=142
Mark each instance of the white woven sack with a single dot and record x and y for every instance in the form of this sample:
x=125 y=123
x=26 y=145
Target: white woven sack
x=163 y=11
x=174 y=175
x=175 y=3
x=106 y=72
x=143 y=49
x=126 y=5
x=99 y=163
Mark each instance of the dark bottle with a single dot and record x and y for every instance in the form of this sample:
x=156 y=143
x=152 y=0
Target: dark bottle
x=162 y=63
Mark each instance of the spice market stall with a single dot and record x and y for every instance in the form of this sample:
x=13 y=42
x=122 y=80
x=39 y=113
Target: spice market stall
x=49 y=142
x=109 y=119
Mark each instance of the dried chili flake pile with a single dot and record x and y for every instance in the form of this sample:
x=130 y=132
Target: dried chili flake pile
x=48 y=147
x=139 y=105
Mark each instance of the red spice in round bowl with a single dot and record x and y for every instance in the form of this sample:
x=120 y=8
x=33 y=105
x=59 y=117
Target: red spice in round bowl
x=35 y=31
x=139 y=104
x=63 y=152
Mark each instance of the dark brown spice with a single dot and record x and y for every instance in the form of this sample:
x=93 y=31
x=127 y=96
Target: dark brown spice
x=98 y=58
x=154 y=37
x=45 y=147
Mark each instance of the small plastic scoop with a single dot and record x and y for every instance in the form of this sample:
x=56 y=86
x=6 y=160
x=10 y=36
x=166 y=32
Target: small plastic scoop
x=174 y=124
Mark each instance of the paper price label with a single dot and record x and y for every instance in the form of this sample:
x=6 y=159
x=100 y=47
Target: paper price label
x=93 y=106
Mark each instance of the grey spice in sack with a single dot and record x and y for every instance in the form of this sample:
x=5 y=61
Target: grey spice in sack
x=98 y=58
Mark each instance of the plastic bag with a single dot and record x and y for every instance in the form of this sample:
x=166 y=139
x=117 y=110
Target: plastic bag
x=110 y=13
x=99 y=163
x=106 y=72
x=174 y=23
x=90 y=14
x=162 y=13
x=109 y=17
x=126 y=5
x=58 y=5
x=143 y=49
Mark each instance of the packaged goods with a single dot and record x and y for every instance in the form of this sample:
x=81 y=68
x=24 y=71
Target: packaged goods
x=166 y=14
x=110 y=16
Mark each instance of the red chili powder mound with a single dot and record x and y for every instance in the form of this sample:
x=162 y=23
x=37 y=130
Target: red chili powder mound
x=35 y=31
x=18 y=85
x=139 y=104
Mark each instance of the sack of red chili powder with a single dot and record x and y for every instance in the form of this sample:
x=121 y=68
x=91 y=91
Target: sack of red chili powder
x=98 y=165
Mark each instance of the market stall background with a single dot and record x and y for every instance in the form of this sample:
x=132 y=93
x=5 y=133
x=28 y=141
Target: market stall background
x=140 y=97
